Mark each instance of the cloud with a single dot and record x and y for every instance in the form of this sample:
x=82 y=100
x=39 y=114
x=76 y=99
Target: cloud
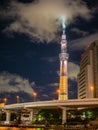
x=81 y=43
x=13 y=83
x=53 y=84
x=41 y=19
x=73 y=70
x=80 y=32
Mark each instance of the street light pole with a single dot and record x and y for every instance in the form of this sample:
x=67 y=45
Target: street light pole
x=34 y=95
x=5 y=100
x=17 y=99
x=58 y=91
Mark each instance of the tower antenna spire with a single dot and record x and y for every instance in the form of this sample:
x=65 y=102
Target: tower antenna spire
x=63 y=24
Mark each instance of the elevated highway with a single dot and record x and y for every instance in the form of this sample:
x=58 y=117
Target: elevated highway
x=63 y=105
x=55 y=103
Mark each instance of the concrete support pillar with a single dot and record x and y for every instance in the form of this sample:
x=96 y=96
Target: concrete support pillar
x=64 y=116
x=31 y=115
x=8 y=116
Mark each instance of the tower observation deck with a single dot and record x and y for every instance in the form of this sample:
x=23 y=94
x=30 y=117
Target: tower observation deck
x=63 y=85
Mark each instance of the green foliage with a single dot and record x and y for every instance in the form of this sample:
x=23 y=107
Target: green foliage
x=51 y=115
x=2 y=117
x=13 y=116
x=79 y=116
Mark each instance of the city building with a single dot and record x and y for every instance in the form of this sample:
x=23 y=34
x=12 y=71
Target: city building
x=63 y=85
x=88 y=75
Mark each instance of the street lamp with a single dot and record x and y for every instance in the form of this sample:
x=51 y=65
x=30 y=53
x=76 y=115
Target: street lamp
x=34 y=95
x=92 y=88
x=5 y=100
x=58 y=91
x=17 y=99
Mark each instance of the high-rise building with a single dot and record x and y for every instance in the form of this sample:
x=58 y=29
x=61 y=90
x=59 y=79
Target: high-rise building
x=63 y=86
x=88 y=75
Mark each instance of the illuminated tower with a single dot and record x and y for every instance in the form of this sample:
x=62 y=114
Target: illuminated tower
x=63 y=86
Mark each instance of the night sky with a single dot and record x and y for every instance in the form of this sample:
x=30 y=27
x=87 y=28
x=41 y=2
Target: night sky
x=30 y=35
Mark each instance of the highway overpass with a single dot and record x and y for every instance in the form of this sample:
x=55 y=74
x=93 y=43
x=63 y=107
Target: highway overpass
x=64 y=105
x=55 y=103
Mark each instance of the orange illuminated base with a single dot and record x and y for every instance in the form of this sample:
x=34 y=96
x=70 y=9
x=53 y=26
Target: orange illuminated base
x=63 y=88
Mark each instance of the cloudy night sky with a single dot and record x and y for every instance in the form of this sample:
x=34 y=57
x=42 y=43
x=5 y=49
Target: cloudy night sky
x=30 y=35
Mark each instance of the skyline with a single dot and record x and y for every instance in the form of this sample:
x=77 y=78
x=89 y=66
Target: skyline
x=30 y=45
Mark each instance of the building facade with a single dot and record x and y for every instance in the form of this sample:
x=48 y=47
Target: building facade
x=88 y=75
